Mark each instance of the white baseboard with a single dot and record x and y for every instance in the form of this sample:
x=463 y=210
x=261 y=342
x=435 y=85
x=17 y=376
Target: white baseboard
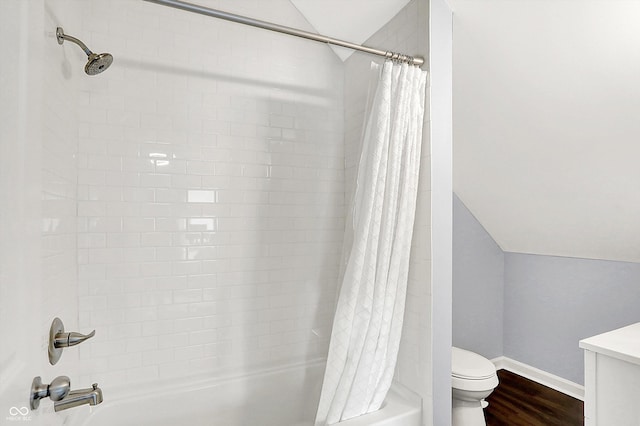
x=547 y=379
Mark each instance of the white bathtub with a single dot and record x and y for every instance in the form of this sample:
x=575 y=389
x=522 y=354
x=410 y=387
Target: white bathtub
x=283 y=397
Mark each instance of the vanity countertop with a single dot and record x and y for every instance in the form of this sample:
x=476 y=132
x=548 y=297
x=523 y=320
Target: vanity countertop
x=623 y=343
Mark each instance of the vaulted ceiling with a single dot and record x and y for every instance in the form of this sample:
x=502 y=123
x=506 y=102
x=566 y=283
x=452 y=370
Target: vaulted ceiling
x=546 y=116
x=547 y=124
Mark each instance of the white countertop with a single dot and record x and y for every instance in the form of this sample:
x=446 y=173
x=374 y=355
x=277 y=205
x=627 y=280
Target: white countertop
x=623 y=343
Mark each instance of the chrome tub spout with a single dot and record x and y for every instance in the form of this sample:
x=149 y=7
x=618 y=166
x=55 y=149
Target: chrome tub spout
x=91 y=396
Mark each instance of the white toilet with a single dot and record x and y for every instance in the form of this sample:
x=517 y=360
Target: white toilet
x=473 y=379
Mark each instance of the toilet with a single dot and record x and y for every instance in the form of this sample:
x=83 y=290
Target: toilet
x=473 y=379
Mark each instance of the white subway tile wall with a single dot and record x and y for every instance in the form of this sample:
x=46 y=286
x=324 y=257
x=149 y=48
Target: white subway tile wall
x=210 y=192
x=59 y=176
x=407 y=33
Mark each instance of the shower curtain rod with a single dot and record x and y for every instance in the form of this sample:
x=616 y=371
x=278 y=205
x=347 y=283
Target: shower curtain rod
x=189 y=7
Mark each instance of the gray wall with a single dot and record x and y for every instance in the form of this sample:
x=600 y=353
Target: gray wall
x=553 y=302
x=478 y=285
x=534 y=309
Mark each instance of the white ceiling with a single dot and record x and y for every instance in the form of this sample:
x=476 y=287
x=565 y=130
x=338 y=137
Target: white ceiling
x=348 y=20
x=547 y=124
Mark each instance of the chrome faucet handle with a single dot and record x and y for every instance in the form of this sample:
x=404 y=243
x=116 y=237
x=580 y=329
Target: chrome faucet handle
x=64 y=340
x=56 y=390
x=58 y=339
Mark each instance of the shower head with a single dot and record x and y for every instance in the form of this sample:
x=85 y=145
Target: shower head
x=97 y=62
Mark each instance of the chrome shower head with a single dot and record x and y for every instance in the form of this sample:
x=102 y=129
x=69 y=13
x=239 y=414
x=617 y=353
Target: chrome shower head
x=97 y=62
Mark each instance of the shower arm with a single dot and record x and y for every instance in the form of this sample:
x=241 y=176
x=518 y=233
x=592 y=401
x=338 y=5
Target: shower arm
x=61 y=36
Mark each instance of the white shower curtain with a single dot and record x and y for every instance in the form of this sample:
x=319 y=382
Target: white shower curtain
x=369 y=315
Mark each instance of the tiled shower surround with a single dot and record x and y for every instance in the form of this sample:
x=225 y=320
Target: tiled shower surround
x=208 y=167
x=210 y=192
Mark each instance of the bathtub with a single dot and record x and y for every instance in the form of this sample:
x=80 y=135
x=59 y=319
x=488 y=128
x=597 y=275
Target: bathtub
x=282 y=397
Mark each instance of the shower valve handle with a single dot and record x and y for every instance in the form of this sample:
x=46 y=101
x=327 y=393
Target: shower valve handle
x=59 y=339
x=64 y=340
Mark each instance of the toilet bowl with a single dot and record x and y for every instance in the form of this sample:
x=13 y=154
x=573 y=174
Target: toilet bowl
x=473 y=379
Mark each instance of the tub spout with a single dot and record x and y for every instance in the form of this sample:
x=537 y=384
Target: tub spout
x=91 y=396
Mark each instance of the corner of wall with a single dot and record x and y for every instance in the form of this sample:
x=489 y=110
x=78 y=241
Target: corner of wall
x=478 y=274
x=440 y=60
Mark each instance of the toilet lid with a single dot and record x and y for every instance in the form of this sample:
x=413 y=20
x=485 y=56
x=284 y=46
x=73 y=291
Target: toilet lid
x=469 y=365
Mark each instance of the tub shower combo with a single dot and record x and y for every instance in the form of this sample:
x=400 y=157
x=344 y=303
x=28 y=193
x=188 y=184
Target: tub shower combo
x=376 y=275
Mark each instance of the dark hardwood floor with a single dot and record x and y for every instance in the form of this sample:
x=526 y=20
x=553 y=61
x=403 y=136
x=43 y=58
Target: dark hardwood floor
x=522 y=402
